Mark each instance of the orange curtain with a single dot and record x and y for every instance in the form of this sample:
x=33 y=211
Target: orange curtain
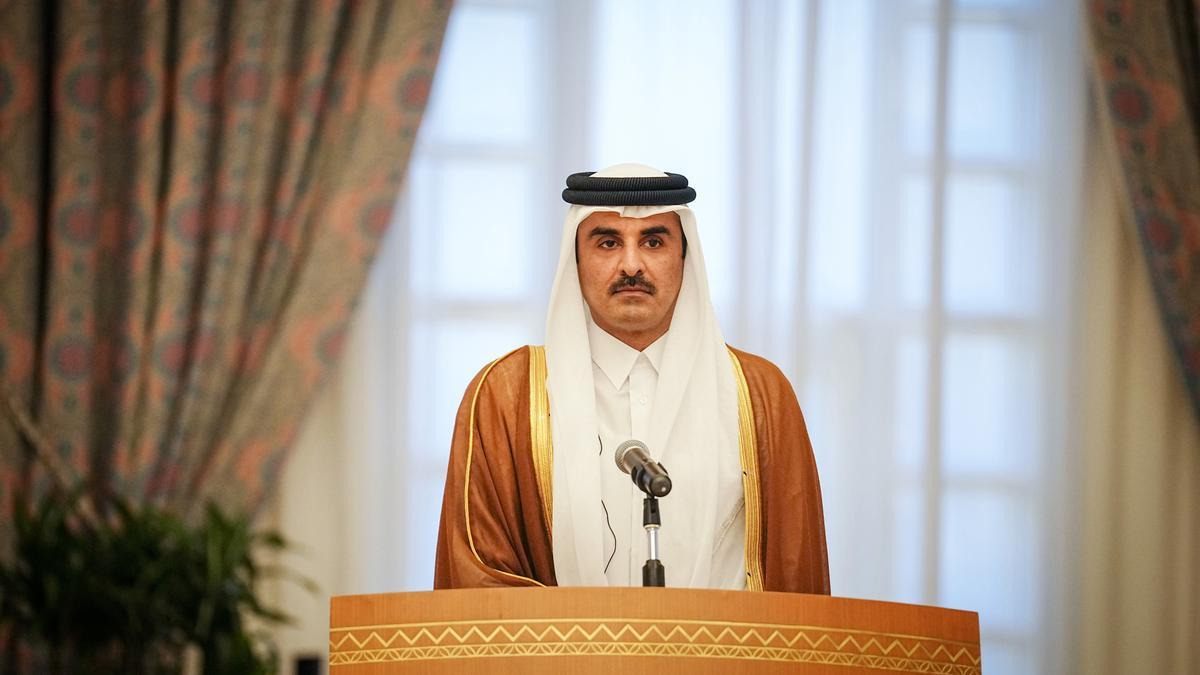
x=191 y=194
x=1147 y=63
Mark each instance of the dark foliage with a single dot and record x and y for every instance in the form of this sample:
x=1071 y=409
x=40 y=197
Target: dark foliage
x=131 y=590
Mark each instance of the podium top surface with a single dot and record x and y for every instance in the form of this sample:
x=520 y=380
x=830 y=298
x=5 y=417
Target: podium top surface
x=640 y=629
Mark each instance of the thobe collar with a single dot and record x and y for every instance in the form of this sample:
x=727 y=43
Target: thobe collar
x=615 y=358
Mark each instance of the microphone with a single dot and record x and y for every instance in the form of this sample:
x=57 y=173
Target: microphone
x=650 y=476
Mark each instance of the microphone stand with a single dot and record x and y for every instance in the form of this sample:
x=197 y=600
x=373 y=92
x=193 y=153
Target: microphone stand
x=653 y=573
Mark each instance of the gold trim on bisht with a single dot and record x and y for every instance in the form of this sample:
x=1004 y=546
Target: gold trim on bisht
x=467 y=480
x=542 y=444
x=748 y=448
x=727 y=640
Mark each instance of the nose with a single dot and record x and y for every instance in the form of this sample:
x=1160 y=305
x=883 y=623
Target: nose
x=631 y=260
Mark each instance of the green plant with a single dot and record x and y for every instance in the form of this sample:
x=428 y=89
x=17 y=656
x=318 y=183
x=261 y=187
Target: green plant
x=113 y=587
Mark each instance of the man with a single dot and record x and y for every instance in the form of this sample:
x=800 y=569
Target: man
x=633 y=351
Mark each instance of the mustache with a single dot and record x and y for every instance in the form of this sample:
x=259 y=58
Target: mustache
x=636 y=281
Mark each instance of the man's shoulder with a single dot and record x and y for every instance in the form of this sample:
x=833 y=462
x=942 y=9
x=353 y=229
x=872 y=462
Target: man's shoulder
x=758 y=365
x=761 y=373
x=510 y=367
x=500 y=380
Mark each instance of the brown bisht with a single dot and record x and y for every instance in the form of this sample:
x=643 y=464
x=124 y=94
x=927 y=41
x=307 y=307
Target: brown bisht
x=496 y=512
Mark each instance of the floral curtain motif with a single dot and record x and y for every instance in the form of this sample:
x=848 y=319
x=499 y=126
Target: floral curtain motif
x=190 y=197
x=1147 y=64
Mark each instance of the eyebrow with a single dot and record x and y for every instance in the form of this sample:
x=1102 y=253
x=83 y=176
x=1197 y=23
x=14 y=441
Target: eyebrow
x=601 y=231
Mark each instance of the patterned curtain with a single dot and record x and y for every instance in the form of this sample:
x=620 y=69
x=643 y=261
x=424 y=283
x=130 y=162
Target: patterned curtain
x=1147 y=63
x=190 y=196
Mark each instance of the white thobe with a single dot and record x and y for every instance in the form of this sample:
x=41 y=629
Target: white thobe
x=625 y=382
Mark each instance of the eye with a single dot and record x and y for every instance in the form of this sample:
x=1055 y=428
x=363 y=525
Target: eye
x=608 y=243
x=654 y=242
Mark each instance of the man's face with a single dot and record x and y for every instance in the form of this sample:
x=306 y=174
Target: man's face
x=630 y=271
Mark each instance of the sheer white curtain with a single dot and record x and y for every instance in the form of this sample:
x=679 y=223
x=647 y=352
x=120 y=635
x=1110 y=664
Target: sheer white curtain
x=886 y=198
x=1137 y=449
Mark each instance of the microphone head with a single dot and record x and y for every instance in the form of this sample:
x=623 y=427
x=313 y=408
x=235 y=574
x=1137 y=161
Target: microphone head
x=633 y=458
x=622 y=455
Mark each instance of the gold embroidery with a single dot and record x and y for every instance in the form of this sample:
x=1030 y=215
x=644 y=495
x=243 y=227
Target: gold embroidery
x=652 y=637
x=467 y=481
x=541 y=442
x=748 y=446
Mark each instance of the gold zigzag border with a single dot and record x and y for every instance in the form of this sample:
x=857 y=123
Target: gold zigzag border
x=708 y=639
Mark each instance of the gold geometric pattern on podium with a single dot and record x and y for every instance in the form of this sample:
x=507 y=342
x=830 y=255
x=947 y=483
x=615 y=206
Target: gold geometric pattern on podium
x=625 y=637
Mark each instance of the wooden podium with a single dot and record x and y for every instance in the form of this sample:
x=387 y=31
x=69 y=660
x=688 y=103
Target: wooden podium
x=643 y=630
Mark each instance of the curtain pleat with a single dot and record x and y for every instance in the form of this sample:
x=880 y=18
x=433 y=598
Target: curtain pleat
x=1136 y=558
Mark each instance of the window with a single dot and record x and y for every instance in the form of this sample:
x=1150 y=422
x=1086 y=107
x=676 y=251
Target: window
x=880 y=201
